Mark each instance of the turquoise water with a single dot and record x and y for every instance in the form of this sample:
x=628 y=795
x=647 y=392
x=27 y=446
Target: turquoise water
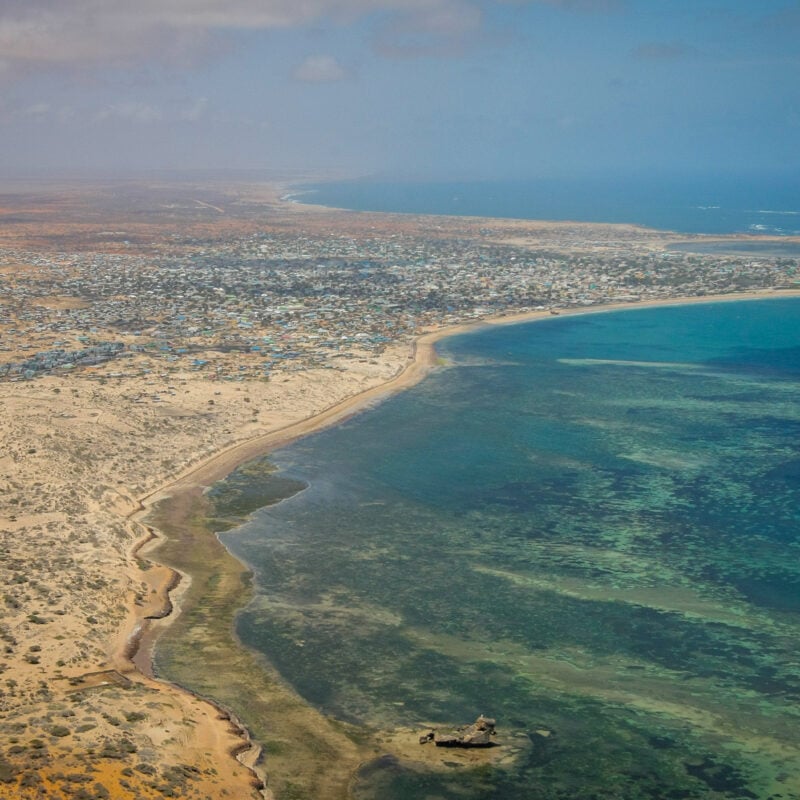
x=587 y=527
x=711 y=204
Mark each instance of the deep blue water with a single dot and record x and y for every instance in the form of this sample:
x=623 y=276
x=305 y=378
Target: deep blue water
x=767 y=205
x=587 y=527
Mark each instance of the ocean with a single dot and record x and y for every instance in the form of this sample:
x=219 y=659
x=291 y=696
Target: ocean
x=718 y=205
x=587 y=527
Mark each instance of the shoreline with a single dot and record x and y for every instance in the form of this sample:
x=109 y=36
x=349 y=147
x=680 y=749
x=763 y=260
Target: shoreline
x=290 y=192
x=423 y=359
x=142 y=633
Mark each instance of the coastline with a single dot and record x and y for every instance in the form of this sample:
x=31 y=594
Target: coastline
x=422 y=360
x=187 y=488
x=300 y=197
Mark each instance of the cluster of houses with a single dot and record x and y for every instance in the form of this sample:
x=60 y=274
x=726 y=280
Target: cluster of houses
x=63 y=360
x=246 y=306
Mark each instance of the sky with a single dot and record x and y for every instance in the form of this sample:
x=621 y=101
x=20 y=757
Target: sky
x=438 y=89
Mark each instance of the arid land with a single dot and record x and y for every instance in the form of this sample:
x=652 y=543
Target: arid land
x=153 y=336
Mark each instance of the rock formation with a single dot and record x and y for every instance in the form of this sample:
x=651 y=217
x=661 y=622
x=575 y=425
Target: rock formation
x=476 y=735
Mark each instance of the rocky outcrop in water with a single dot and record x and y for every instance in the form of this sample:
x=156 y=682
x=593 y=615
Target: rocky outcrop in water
x=479 y=734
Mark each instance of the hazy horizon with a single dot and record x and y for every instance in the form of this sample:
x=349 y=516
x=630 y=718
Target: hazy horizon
x=438 y=89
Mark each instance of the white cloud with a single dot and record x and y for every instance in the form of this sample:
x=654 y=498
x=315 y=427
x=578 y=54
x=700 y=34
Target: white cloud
x=602 y=6
x=319 y=69
x=193 y=110
x=49 y=33
x=36 y=110
x=663 y=51
x=443 y=28
x=130 y=111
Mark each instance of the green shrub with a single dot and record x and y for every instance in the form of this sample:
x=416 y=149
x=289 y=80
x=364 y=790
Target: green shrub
x=7 y=771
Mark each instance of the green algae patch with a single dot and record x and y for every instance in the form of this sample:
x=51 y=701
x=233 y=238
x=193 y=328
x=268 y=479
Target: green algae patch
x=305 y=754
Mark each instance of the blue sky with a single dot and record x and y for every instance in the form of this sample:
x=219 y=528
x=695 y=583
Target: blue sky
x=425 y=88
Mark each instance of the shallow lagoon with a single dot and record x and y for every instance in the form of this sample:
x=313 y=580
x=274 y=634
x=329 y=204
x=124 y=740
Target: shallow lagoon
x=587 y=526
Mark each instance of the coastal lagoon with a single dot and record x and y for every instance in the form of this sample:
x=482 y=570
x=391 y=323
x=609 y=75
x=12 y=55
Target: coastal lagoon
x=587 y=527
